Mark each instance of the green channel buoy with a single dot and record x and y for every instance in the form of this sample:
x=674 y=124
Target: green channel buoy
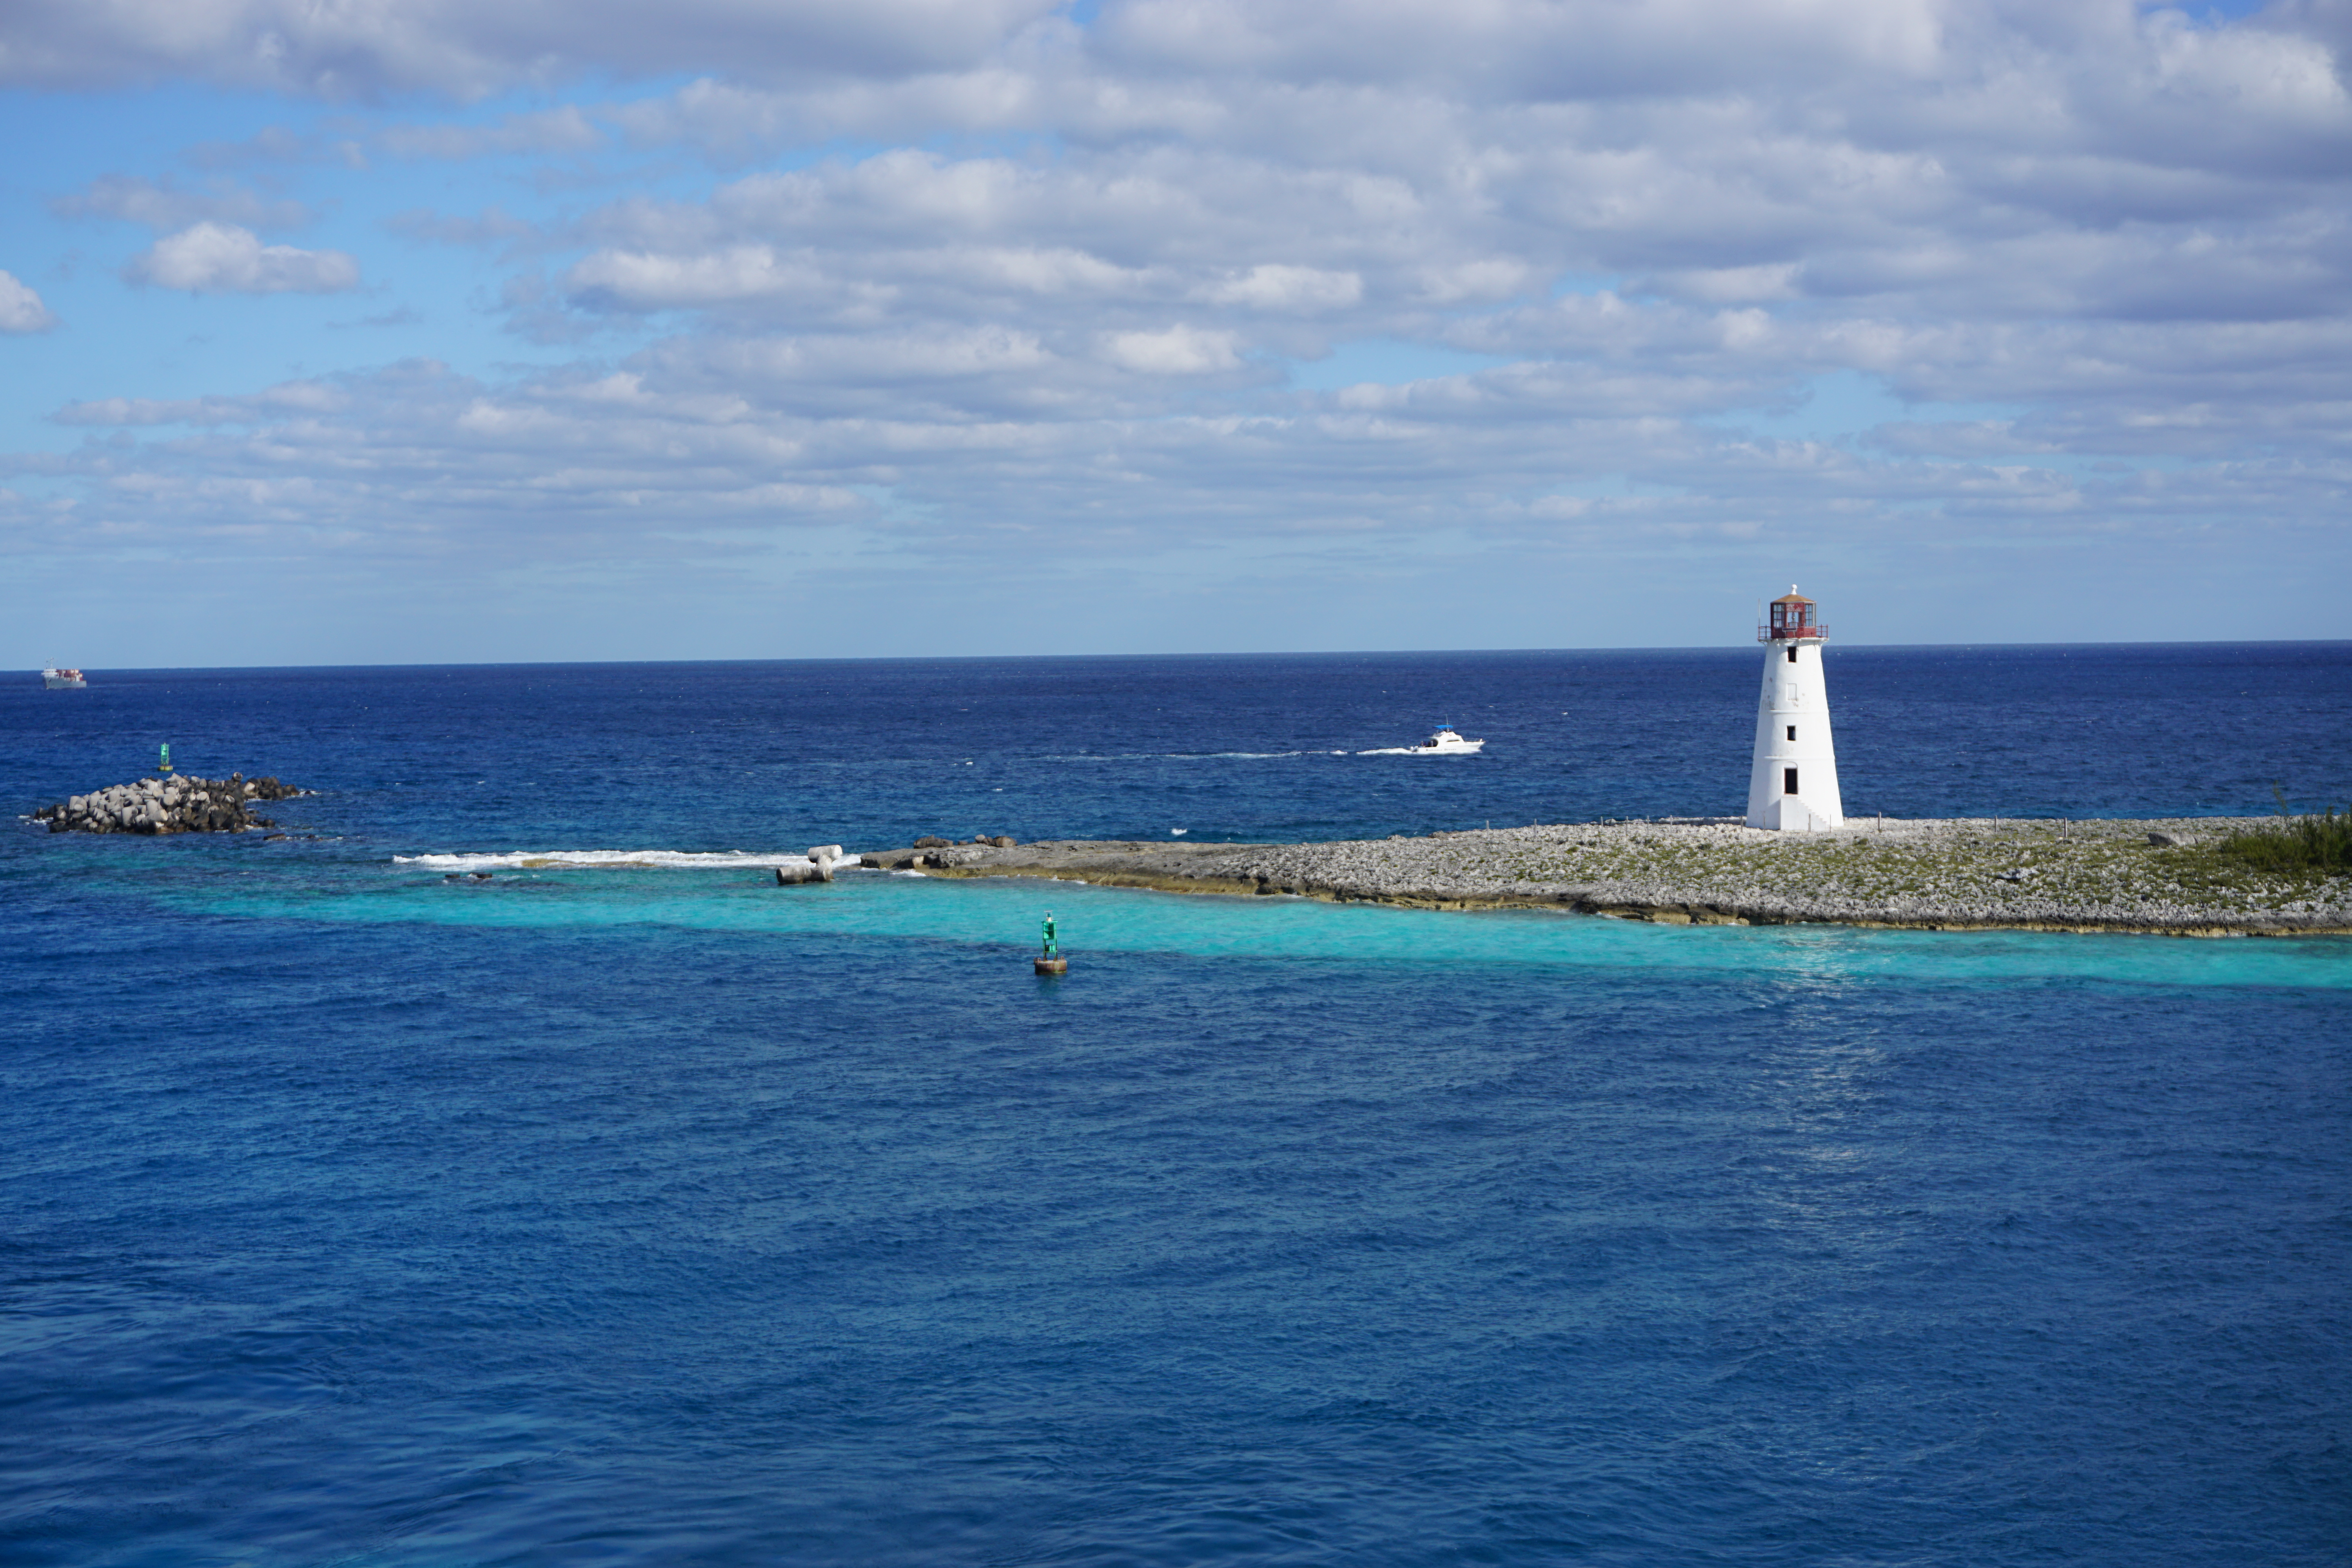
x=166 y=764
x=1051 y=961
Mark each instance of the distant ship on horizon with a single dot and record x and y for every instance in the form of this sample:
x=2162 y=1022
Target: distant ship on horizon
x=62 y=680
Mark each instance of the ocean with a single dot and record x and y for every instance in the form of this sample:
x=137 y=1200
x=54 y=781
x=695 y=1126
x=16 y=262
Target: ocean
x=625 y=1208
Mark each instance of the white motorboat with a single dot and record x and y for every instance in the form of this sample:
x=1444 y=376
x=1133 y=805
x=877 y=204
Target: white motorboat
x=63 y=680
x=1445 y=743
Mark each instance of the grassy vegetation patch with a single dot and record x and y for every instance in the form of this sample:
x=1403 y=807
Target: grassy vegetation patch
x=2317 y=841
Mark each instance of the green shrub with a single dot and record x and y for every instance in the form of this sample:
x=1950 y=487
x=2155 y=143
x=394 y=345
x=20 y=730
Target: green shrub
x=2314 y=842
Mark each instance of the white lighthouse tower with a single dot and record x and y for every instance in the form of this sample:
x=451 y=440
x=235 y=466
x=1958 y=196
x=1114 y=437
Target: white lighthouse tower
x=1793 y=786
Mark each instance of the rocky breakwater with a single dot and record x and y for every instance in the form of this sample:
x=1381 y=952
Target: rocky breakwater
x=934 y=853
x=2161 y=876
x=1127 y=863
x=180 y=804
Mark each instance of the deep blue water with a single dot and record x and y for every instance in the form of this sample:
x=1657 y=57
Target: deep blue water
x=643 y=1213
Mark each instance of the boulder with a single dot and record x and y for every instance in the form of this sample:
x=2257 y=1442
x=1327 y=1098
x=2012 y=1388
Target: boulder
x=931 y=841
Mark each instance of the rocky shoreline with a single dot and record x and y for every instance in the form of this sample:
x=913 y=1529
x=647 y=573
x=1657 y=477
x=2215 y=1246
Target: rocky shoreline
x=179 y=803
x=2160 y=876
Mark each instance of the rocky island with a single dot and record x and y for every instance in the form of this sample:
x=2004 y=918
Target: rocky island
x=2166 y=876
x=179 y=803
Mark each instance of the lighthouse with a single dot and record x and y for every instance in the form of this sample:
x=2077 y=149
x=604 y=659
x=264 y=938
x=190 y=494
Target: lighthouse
x=1793 y=786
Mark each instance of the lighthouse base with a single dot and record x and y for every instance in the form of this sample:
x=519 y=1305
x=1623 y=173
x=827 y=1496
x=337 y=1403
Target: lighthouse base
x=1789 y=814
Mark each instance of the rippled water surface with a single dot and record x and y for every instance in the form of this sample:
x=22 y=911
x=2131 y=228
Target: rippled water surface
x=646 y=1214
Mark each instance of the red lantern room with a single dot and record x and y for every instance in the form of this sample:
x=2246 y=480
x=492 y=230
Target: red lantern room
x=1792 y=618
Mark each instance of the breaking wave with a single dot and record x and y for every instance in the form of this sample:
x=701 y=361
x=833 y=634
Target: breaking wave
x=587 y=859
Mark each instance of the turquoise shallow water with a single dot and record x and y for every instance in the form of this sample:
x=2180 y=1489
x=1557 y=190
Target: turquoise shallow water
x=875 y=909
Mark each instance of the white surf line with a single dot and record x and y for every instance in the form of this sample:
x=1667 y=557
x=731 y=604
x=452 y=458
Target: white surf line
x=591 y=859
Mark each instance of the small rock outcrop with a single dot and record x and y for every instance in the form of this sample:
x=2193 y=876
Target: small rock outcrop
x=956 y=847
x=179 y=803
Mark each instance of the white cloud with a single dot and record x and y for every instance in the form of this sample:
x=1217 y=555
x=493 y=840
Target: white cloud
x=291 y=397
x=1549 y=49
x=1728 y=285
x=641 y=280
x=216 y=258
x=894 y=359
x=1173 y=350
x=470 y=47
x=417 y=462
x=21 y=310
x=162 y=204
x=1271 y=286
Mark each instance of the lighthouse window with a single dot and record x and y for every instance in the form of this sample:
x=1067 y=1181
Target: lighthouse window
x=1792 y=653
x=1793 y=732
x=1787 y=780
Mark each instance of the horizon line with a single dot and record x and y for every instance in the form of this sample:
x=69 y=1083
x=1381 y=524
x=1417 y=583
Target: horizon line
x=1070 y=657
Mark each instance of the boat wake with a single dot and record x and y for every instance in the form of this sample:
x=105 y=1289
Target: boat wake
x=1177 y=756
x=590 y=859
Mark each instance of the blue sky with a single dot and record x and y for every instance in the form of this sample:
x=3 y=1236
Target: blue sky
x=420 y=331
